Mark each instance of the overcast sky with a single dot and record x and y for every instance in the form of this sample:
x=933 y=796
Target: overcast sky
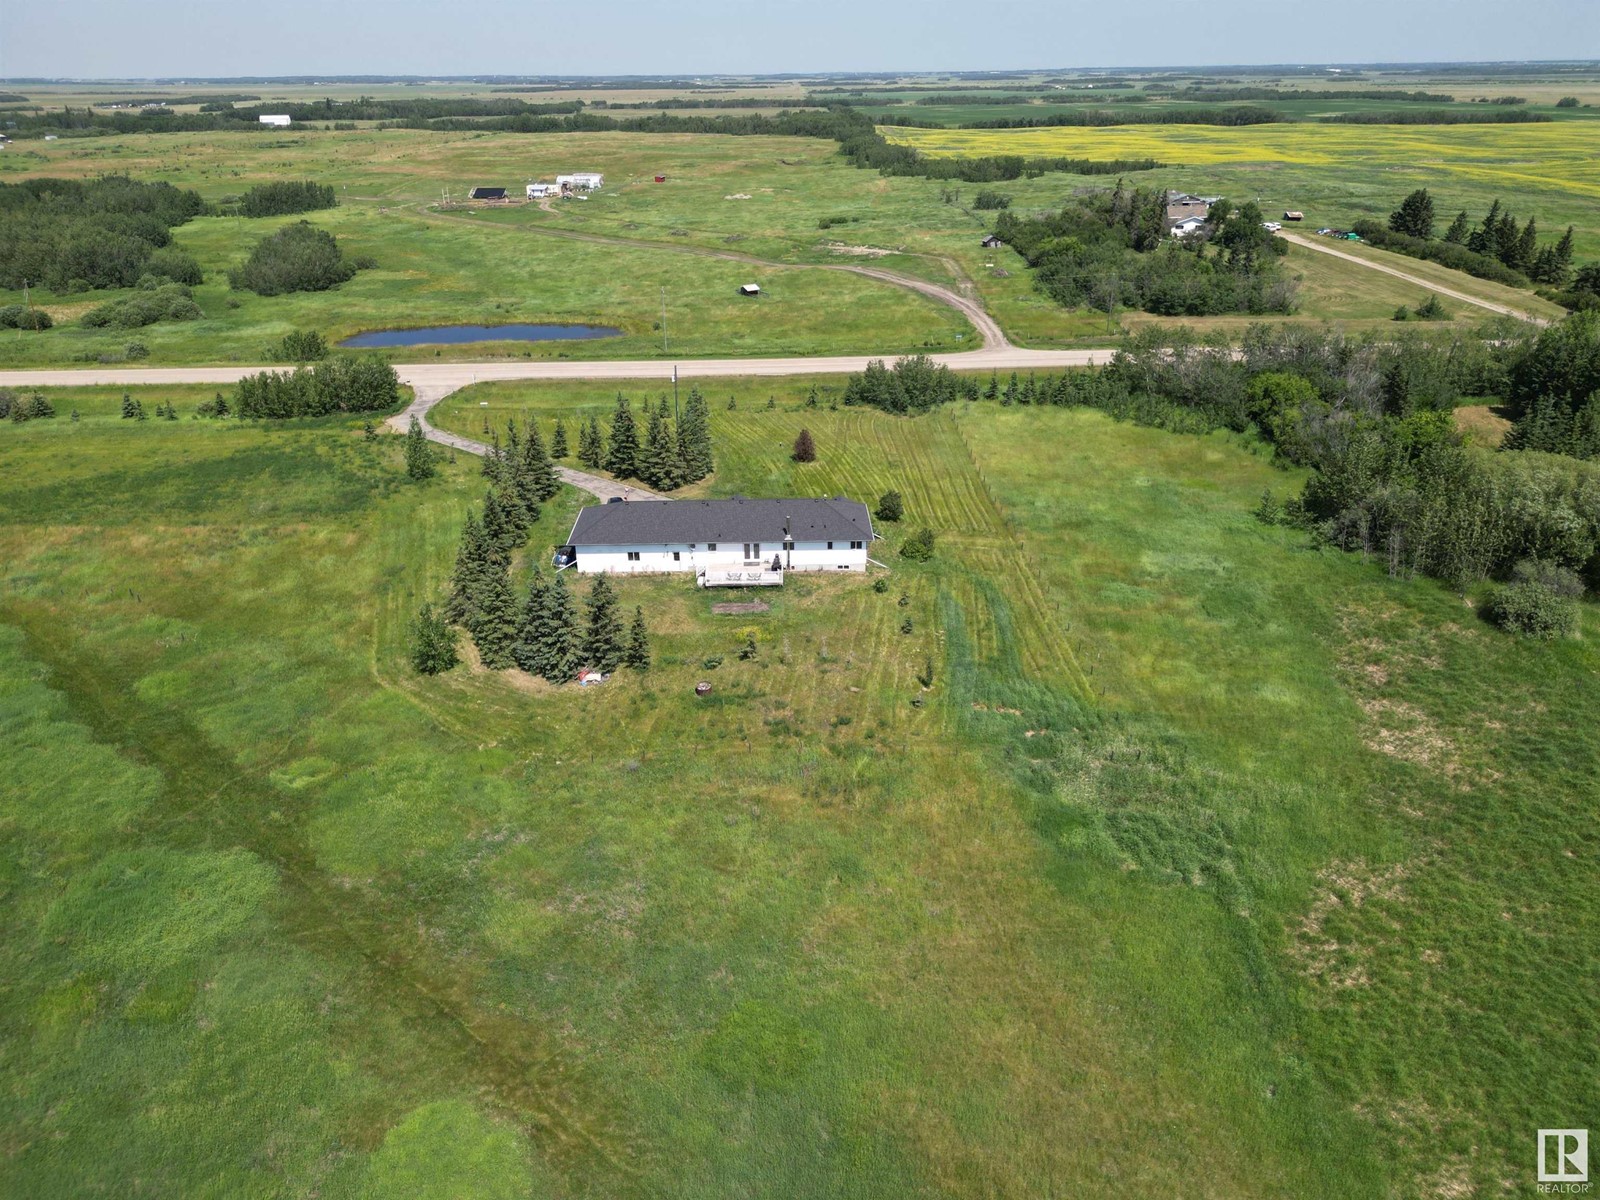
x=163 y=38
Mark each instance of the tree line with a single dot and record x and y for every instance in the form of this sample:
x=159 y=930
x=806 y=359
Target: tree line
x=286 y=196
x=75 y=235
x=1498 y=238
x=1392 y=477
x=340 y=385
x=542 y=632
x=663 y=458
x=1111 y=249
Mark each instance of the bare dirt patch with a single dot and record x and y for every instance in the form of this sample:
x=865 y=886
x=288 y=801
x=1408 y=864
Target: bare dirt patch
x=1338 y=961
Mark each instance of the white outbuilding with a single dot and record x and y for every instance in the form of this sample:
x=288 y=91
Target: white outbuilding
x=538 y=191
x=581 y=181
x=720 y=542
x=279 y=120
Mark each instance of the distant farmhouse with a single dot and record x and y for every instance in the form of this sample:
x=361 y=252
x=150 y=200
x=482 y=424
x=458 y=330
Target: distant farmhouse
x=280 y=120
x=580 y=181
x=538 y=191
x=1186 y=213
x=722 y=543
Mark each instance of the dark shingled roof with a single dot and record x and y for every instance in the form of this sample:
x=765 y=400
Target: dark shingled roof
x=681 y=522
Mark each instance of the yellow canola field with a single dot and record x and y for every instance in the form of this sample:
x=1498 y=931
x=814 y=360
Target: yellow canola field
x=1561 y=156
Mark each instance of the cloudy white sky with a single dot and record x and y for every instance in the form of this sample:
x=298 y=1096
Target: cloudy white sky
x=161 y=38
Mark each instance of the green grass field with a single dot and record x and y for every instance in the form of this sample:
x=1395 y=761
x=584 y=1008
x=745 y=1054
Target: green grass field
x=761 y=198
x=1202 y=867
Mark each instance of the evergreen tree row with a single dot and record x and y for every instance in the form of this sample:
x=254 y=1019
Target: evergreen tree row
x=1498 y=237
x=665 y=458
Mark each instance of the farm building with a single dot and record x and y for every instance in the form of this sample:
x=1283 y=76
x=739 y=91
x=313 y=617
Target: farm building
x=991 y=242
x=1294 y=215
x=581 y=181
x=495 y=195
x=280 y=120
x=738 y=542
x=538 y=191
x=1187 y=225
x=749 y=289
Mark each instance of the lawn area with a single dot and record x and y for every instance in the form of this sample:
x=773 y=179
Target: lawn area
x=1200 y=868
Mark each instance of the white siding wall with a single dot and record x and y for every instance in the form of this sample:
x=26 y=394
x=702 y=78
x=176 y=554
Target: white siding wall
x=807 y=556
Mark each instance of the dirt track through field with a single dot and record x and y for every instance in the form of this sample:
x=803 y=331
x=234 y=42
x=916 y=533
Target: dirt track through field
x=1322 y=247
x=989 y=331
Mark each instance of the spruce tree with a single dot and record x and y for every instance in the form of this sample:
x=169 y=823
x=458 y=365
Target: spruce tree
x=537 y=474
x=891 y=507
x=1414 y=217
x=622 y=454
x=602 y=640
x=1527 y=245
x=637 y=656
x=494 y=625
x=659 y=465
x=1482 y=239
x=1563 y=259
x=526 y=651
x=1459 y=228
x=555 y=634
x=492 y=458
x=419 y=455
x=694 y=439
x=433 y=642
x=805 y=447
x=499 y=528
x=476 y=560
x=558 y=442
x=129 y=407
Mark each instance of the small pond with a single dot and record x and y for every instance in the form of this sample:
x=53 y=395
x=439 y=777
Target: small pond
x=456 y=335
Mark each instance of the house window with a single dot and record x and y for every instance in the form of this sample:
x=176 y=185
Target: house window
x=709 y=546
x=830 y=545
x=752 y=551
x=677 y=556
x=853 y=545
x=633 y=556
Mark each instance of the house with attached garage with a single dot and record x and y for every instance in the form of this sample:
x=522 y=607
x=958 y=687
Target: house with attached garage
x=721 y=543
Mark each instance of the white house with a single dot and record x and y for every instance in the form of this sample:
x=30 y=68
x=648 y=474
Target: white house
x=538 y=191
x=1186 y=226
x=720 y=542
x=581 y=181
x=279 y=119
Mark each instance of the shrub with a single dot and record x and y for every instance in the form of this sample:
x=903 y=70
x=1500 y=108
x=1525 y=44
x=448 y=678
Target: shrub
x=166 y=302
x=891 y=507
x=1551 y=575
x=18 y=316
x=1432 y=310
x=433 y=643
x=301 y=347
x=990 y=200
x=805 y=449
x=286 y=196
x=175 y=264
x=1567 y=102
x=919 y=546
x=1535 y=610
x=136 y=350
x=297 y=258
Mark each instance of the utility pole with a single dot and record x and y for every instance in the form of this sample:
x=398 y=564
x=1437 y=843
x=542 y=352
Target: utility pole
x=664 y=319
x=29 y=303
x=676 y=421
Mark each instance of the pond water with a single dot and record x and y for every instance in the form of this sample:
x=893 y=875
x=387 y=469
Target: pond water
x=455 y=335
